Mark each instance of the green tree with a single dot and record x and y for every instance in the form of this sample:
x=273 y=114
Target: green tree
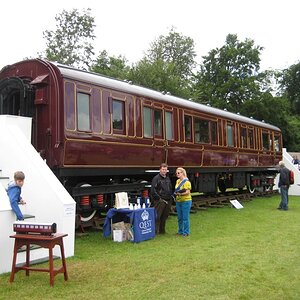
x=116 y=67
x=70 y=43
x=290 y=85
x=229 y=75
x=292 y=140
x=167 y=65
x=176 y=49
x=159 y=76
x=272 y=110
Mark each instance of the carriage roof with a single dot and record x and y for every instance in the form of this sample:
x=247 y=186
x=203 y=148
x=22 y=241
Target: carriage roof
x=127 y=87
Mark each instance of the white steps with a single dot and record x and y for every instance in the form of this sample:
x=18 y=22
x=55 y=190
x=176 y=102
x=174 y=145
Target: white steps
x=294 y=189
x=4 y=180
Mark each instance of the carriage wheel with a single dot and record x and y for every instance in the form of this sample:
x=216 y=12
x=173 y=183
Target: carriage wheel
x=222 y=186
x=251 y=189
x=268 y=188
x=86 y=217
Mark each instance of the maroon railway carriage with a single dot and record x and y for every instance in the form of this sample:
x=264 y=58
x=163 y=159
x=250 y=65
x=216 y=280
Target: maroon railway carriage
x=99 y=130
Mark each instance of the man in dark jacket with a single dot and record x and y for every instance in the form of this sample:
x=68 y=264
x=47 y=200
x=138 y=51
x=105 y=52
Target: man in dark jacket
x=284 y=184
x=161 y=196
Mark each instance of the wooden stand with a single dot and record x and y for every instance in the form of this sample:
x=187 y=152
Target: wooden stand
x=45 y=241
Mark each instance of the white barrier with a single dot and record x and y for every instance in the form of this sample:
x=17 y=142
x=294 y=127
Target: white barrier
x=294 y=189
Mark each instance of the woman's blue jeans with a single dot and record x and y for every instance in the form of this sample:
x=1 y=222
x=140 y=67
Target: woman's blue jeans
x=183 y=215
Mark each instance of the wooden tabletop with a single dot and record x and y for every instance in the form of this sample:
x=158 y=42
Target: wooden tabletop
x=38 y=237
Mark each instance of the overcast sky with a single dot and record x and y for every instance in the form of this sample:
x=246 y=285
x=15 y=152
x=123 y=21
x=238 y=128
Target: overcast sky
x=127 y=27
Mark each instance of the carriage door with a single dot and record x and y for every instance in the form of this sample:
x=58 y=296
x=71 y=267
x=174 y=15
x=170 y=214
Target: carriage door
x=17 y=98
x=158 y=141
x=169 y=133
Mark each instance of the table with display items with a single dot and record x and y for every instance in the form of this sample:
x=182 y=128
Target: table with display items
x=45 y=241
x=142 y=222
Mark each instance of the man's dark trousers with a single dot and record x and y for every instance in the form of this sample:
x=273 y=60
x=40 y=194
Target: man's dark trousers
x=163 y=208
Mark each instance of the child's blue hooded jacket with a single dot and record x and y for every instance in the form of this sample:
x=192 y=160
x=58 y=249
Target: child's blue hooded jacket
x=14 y=194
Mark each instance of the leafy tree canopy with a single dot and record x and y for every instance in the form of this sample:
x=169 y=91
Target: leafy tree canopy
x=290 y=85
x=168 y=65
x=116 y=67
x=176 y=49
x=159 y=76
x=291 y=134
x=71 y=42
x=228 y=76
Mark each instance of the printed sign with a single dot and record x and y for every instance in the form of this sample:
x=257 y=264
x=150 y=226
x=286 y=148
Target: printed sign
x=236 y=204
x=69 y=210
x=144 y=224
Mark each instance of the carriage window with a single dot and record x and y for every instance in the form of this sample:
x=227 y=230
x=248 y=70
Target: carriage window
x=118 y=114
x=243 y=137
x=214 y=132
x=83 y=112
x=188 y=128
x=157 y=123
x=277 y=146
x=251 y=138
x=201 y=128
x=265 y=141
x=70 y=105
x=148 y=132
x=197 y=130
x=230 y=136
x=169 y=125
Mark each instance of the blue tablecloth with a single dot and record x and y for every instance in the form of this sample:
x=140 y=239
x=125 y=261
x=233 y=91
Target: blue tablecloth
x=142 y=221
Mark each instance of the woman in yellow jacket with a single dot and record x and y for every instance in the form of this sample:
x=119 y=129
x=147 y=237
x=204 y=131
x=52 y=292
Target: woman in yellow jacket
x=183 y=202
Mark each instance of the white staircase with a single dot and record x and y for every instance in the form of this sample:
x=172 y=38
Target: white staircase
x=4 y=180
x=47 y=201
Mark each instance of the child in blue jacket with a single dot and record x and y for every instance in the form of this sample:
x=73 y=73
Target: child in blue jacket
x=14 y=194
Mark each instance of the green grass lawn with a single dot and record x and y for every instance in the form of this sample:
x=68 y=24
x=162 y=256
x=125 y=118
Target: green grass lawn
x=253 y=253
